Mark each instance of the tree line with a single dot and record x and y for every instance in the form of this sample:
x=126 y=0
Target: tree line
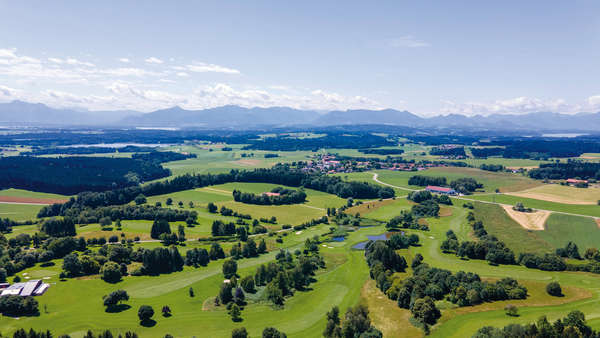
x=286 y=196
x=281 y=174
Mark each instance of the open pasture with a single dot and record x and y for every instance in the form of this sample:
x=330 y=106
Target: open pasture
x=579 y=209
x=561 y=229
x=498 y=223
x=561 y=194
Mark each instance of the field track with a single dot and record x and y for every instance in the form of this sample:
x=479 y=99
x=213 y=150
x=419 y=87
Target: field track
x=29 y=200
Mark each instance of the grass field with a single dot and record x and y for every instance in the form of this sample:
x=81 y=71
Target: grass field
x=490 y=180
x=498 y=223
x=562 y=194
x=30 y=194
x=588 y=210
x=561 y=229
x=19 y=212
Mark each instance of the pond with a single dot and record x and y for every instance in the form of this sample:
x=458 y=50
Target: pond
x=362 y=245
x=338 y=239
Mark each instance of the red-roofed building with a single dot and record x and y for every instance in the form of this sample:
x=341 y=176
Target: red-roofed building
x=440 y=190
x=272 y=194
x=575 y=181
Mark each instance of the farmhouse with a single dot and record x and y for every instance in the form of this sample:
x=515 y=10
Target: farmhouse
x=30 y=288
x=440 y=190
x=271 y=193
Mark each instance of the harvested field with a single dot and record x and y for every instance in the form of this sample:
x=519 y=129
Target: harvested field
x=528 y=220
x=528 y=167
x=561 y=194
x=29 y=200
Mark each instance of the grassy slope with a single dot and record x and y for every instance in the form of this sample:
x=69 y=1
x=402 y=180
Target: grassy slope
x=19 y=212
x=590 y=210
x=498 y=223
x=560 y=229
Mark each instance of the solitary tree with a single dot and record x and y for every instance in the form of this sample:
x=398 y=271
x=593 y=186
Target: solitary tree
x=115 y=298
x=169 y=201
x=235 y=313
x=145 y=313
x=140 y=199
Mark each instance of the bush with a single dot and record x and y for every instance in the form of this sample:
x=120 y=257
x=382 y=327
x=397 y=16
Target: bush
x=511 y=310
x=554 y=289
x=111 y=272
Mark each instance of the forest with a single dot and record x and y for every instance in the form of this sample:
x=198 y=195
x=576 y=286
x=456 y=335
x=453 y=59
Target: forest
x=70 y=175
x=570 y=169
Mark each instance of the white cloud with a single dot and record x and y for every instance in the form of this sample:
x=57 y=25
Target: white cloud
x=207 y=67
x=7 y=93
x=154 y=60
x=56 y=60
x=72 y=61
x=407 y=41
x=594 y=101
x=124 y=60
x=182 y=74
x=518 y=105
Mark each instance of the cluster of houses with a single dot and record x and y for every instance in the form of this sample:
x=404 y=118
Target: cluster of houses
x=29 y=288
x=331 y=164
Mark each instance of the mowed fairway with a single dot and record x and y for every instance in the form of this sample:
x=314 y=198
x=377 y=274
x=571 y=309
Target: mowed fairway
x=76 y=305
x=561 y=229
x=562 y=194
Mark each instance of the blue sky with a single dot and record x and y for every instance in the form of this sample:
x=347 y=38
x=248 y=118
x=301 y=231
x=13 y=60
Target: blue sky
x=423 y=56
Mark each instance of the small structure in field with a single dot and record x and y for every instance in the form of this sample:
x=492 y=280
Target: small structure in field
x=29 y=288
x=271 y=193
x=440 y=190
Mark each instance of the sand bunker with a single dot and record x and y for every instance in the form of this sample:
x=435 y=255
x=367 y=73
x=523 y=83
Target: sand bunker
x=528 y=220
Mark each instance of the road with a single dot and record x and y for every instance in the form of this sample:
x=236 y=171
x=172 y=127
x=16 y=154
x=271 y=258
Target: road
x=375 y=178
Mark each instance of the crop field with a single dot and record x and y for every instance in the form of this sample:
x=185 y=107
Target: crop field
x=217 y=160
x=561 y=194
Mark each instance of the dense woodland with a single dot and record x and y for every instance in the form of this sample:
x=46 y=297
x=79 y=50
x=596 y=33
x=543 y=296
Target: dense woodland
x=570 y=169
x=286 y=196
x=383 y=151
x=331 y=140
x=448 y=151
x=70 y=175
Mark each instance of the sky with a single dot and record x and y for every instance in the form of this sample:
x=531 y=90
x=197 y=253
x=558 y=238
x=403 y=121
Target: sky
x=427 y=57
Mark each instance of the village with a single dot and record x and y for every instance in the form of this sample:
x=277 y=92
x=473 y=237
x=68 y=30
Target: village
x=333 y=163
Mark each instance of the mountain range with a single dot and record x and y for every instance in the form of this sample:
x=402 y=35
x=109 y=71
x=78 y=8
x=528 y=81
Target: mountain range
x=231 y=116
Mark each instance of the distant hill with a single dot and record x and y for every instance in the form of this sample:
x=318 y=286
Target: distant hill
x=240 y=117
x=225 y=116
x=38 y=113
x=363 y=116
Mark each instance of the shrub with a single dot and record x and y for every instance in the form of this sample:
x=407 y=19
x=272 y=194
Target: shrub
x=511 y=310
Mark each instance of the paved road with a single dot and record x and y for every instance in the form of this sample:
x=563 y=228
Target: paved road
x=375 y=178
